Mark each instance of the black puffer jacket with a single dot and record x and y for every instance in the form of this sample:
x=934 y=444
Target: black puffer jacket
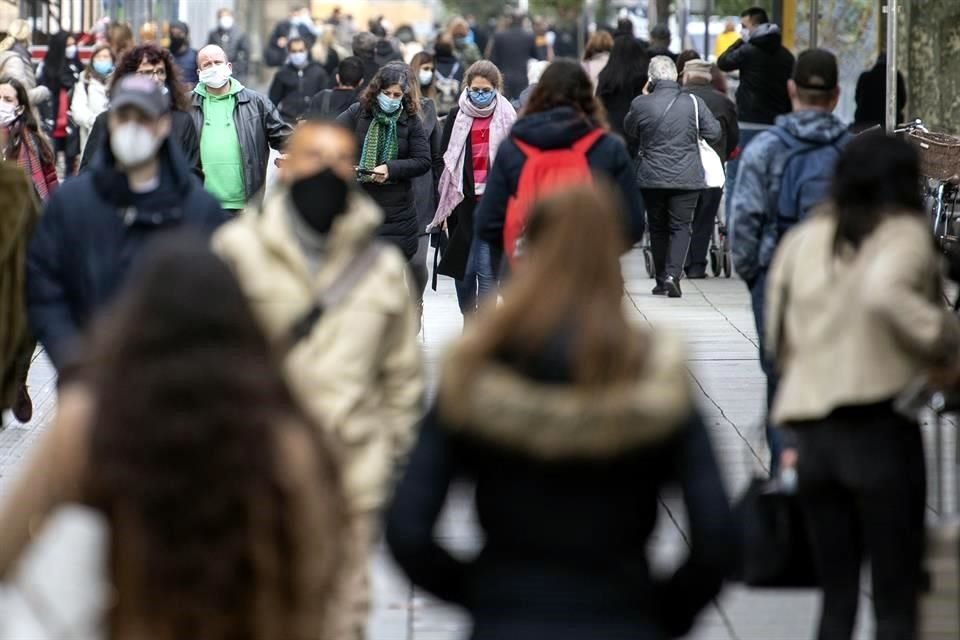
x=668 y=154
x=765 y=65
x=396 y=196
x=724 y=110
x=567 y=485
x=92 y=231
x=292 y=88
x=554 y=129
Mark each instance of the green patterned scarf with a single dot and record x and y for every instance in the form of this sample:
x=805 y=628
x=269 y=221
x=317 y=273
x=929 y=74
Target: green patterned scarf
x=381 y=144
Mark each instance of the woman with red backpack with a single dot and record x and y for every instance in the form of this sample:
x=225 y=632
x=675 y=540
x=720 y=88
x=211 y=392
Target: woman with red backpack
x=473 y=133
x=561 y=137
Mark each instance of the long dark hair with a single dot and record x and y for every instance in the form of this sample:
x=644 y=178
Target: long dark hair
x=390 y=74
x=154 y=54
x=877 y=176
x=190 y=414
x=27 y=123
x=53 y=74
x=420 y=59
x=566 y=84
x=627 y=68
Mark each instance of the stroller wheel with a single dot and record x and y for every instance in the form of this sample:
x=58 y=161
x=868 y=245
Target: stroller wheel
x=648 y=263
x=715 y=262
x=727 y=264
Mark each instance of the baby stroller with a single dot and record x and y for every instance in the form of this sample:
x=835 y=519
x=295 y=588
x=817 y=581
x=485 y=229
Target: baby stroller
x=721 y=260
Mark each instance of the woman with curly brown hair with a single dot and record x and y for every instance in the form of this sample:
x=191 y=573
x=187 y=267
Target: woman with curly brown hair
x=152 y=61
x=224 y=511
x=562 y=111
x=393 y=150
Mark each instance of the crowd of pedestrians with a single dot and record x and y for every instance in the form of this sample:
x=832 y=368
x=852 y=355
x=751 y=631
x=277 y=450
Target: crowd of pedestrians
x=261 y=343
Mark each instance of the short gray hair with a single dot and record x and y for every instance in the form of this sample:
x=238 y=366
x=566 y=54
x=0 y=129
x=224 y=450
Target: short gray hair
x=662 y=68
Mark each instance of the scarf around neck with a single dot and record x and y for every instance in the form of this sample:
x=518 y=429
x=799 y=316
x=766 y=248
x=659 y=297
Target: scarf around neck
x=380 y=144
x=502 y=115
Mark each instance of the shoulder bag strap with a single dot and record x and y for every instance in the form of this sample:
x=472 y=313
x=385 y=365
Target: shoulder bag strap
x=696 y=114
x=656 y=126
x=338 y=290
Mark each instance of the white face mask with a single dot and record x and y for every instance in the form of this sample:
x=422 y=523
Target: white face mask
x=426 y=77
x=133 y=144
x=226 y=23
x=745 y=34
x=71 y=52
x=216 y=76
x=8 y=113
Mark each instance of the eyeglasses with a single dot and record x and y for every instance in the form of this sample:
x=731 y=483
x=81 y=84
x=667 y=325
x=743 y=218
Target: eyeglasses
x=159 y=72
x=483 y=91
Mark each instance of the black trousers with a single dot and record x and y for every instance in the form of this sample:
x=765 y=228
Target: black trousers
x=862 y=486
x=703 y=219
x=670 y=217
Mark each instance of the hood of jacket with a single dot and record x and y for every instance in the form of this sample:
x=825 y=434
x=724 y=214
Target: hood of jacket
x=547 y=420
x=812 y=126
x=767 y=37
x=557 y=128
x=351 y=229
x=175 y=179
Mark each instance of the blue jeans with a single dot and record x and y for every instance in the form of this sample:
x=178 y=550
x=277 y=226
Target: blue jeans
x=748 y=131
x=478 y=279
x=758 y=295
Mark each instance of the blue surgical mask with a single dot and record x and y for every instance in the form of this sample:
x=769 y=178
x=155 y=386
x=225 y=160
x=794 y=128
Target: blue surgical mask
x=298 y=59
x=462 y=41
x=103 y=67
x=387 y=104
x=481 y=98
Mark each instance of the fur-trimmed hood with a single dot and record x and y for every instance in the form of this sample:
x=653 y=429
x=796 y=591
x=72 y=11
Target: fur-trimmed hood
x=557 y=421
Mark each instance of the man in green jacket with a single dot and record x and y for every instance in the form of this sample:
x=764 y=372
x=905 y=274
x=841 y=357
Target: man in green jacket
x=237 y=129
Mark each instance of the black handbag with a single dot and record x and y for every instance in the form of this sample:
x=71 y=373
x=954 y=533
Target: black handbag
x=775 y=545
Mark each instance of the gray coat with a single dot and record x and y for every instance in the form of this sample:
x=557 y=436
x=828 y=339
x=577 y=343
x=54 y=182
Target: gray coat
x=425 y=186
x=260 y=127
x=668 y=156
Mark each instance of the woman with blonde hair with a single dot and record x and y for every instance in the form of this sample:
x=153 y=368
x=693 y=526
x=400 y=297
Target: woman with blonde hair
x=471 y=137
x=570 y=421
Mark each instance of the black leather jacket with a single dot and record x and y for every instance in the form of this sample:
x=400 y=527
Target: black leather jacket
x=260 y=127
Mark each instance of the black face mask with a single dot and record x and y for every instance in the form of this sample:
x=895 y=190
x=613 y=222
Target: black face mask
x=176 y=43
x=320 y=199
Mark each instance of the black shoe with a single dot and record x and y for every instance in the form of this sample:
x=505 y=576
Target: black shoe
x=672 y=285
x=23 y=406
x=659 y=290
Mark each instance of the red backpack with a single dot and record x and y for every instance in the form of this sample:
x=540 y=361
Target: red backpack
x=543 y=172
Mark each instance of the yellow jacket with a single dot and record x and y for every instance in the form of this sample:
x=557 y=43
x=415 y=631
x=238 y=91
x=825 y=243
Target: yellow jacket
x=724 y=41
x=359 y=372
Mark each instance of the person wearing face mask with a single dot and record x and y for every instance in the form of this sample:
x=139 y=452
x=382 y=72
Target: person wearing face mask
x=471 y=137
x=464 y=47
x=90 y=94
x=95 y=227
x=297 y=81
x=393 y=150
x=184 y=55
x=24 y=143
x=299 y=25
x=59 y=72
x=356 y=367
x=153 y=62
x=237 y=128
x=235 y=43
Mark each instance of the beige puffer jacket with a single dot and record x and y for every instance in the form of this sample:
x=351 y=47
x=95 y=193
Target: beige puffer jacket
x=359 y=372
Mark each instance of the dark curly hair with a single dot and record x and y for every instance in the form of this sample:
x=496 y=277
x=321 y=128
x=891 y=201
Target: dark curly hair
x=390 y=74
x=191 y=410
x=27 y=121
x=130 y=62
x=565 y=84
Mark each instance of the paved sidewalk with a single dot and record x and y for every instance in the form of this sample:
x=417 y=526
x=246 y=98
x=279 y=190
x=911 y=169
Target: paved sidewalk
x=714 y=316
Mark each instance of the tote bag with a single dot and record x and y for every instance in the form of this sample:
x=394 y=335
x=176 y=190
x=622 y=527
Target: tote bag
x=713 y=174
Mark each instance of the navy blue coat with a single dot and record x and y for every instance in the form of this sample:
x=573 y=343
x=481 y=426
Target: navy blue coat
x=554 y=129
x=92 y=230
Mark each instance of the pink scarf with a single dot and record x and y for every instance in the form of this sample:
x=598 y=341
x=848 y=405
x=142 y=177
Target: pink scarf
x=451 y=180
